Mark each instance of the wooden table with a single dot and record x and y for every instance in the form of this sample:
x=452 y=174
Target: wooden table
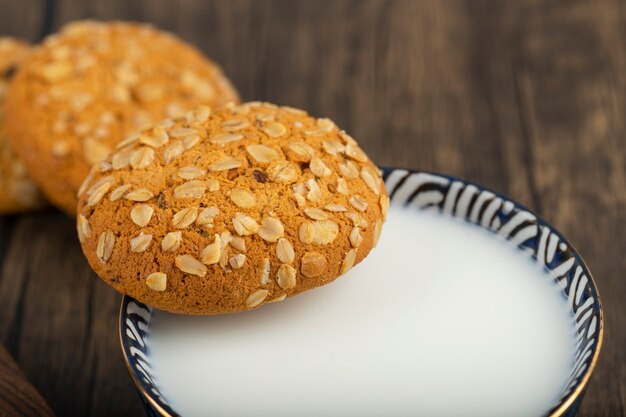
x=526 y=97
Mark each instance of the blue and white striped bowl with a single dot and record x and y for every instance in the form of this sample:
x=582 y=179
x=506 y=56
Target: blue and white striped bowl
x=455 y=197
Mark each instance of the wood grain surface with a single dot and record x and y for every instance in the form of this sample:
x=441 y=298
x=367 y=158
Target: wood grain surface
x=18 y=398
x=526 y=97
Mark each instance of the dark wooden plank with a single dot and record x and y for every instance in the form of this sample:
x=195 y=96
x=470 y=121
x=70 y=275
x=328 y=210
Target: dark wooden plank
x=23 y=19
x=18 y=398
x=63 y=331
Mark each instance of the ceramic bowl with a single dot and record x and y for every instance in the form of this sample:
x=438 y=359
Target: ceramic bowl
x=455 y=197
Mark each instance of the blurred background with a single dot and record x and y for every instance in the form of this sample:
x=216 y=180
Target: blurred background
x=526 y=97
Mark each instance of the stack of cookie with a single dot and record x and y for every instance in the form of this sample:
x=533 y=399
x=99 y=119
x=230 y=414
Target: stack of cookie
x=188 y=200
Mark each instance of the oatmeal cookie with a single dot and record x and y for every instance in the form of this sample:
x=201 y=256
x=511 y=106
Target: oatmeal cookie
x=93 y=83
x=227 y=209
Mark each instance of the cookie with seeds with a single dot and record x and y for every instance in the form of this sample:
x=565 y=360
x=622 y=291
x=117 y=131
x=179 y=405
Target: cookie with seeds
x=94 y=83
x=227 y=209
x=18 y=192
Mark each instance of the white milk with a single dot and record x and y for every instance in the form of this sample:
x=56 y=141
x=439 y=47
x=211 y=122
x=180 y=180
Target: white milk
x=442 y=319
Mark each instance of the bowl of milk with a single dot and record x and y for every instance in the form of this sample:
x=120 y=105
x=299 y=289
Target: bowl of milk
x=470 y=305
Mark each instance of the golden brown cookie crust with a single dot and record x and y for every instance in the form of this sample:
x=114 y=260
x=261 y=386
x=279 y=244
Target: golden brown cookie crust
x=231 y=208
x=93 y=83
x=18 y=192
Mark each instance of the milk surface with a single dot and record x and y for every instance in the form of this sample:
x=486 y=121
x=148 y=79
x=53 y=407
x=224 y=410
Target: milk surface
x=441 y=319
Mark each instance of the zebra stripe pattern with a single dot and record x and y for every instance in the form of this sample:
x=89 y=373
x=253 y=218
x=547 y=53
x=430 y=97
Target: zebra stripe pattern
x=531 y=234
x=455 y=197
x=134 y=319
